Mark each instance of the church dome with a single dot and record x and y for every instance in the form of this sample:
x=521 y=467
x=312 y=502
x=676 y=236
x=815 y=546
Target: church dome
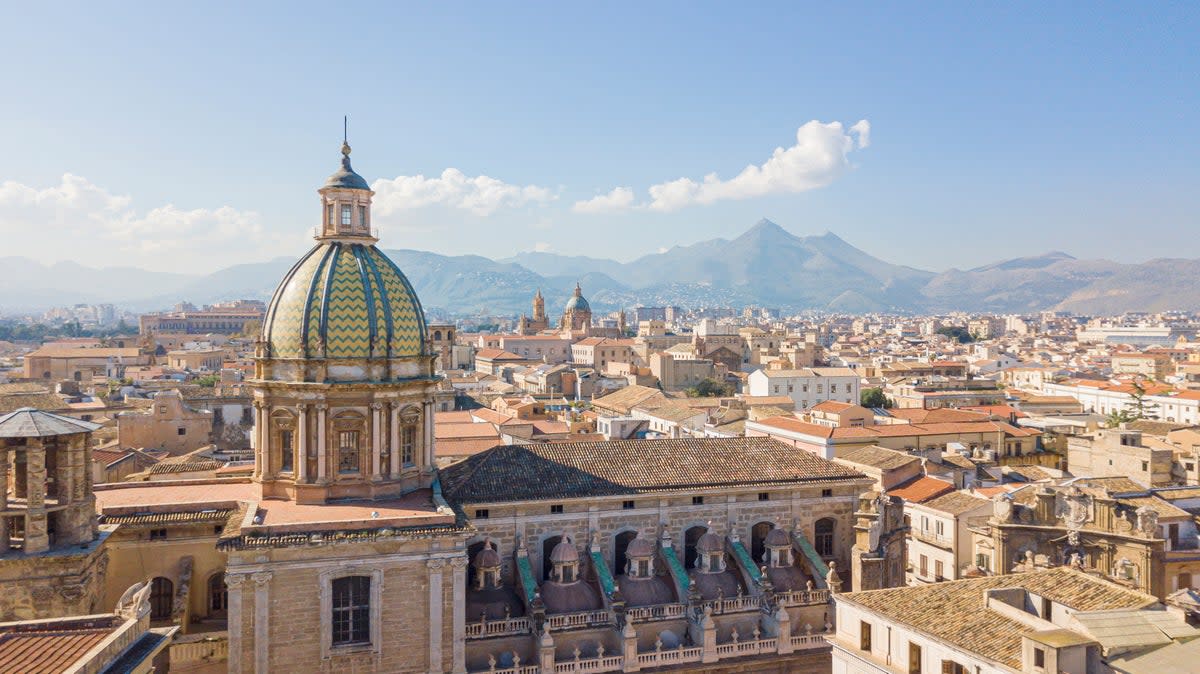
x=710 y=542
x=577 y=301
x=344 y=300
x=565 y=552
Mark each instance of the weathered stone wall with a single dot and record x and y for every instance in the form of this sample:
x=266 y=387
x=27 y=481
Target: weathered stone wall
x=53 y=585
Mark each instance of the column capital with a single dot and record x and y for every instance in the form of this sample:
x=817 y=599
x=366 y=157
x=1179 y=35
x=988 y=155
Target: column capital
x=321 y=407
x=458 y=562
x=235 y=581
x=261 y=578
x=302 y=407
x=435 y=564
x=377 y=406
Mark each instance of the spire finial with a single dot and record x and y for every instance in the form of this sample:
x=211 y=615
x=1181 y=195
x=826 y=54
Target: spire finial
x=345 y=135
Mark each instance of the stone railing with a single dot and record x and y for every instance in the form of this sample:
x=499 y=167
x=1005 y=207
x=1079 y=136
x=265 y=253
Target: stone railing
x=735 y=604
x=499 y=628
x=565 y=621
x=805 y=641
x=612 y=663
x=206 y=648
x=658 y=612
x=662 y=658
x=803 y=598
x=520 y=669
x=754 y=647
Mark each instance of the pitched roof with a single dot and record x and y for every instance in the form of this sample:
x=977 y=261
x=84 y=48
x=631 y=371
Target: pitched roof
x=583 y=469
x=28 y=422
x=956 y=611
x=879 y=457
x=625 y=399
x=54 y=648
x=955 y=503
x=921 y=489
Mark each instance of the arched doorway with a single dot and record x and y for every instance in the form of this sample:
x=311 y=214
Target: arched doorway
x=472 y=550
x=547 y=548
x=162 y=596
x=823 y=532
x=758 y=540
x=619 y=547
x=690 y=538
x=218 y=595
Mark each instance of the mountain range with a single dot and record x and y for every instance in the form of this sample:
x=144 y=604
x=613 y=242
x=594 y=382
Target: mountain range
x=765 y=266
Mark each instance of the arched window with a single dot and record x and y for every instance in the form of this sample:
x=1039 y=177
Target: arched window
x=437 y=335
x=690 y=538
x=758 y=540
x=351 y=617
x=823 y=536
x=410 y=420
x=620 y=560
x=348 y=432
x=162 y=596
x=547 y=548
x=283 y=426
x=218 y=595
x=472 y=550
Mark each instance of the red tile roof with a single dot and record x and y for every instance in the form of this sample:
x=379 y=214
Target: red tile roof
x=921 y=489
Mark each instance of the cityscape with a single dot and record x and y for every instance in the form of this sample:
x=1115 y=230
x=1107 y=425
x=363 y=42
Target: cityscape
x=852 y=407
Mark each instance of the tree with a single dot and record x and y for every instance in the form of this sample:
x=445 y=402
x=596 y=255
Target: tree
x=251 y=328
x=874 y=397
x=1137 y=405
x=958 y=333
x=1117 y=417
x=208 y=380
x=709 y=388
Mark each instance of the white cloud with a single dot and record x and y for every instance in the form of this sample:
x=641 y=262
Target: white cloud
x=105 y=227
x=481 y=195
x=820 y=155
x=541 y=247
x=619 y=199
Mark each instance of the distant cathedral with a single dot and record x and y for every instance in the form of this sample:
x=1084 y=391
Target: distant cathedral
x=539 y=322
x=577 y=314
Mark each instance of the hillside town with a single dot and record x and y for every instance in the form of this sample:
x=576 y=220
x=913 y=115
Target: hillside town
x=333 y=480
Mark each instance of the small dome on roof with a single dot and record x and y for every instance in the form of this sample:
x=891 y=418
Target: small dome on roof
x=564 y=552
x=641 y=547
x=710 y=542
x=577 y=301
x=487 y=558
x=345 y=177
x=778 y=538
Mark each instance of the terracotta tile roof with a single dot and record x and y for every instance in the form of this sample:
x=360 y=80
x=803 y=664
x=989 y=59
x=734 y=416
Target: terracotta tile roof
x=51 y=648
x=832 y=406
x=461 y=416
x=956 y=611
x=794 y=425
x=464 y=446
x=939 y=415
x=625 y=399
x=879 y=457
x=461 y=431
x=955 y=503
x=494 y=354
x=150 y=518
x=582 y=469
x=921 y=489
x=186 y=467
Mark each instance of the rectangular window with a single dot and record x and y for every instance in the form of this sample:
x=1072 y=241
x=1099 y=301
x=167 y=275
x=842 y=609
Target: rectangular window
x=826 y=493
x=914 y=658
x=556 y=508
x=158 y=534
x=329 y=215
x=481 y=513
x=1039 y=657
x=348 y=452
x=345 y=214
x=924 y=566
x=351 y=610
x=627 y=505
x=983 y=561
x=864 y=636
x=938 y=569
x=952 y=667
x=764 y=496
x=1145 y=465
x=408 y=444
x=287 y=452
x=362 y=217
x=181 y=431
x=697 y=500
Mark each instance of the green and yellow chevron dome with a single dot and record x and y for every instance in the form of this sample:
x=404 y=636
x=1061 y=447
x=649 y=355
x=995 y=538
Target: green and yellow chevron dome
x=344 y=300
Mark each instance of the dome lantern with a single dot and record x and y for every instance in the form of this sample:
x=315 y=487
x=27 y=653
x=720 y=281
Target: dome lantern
x=346 y=203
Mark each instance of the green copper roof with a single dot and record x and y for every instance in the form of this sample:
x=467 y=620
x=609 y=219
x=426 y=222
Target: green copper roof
x=743 y=556
x=344 y=300
x=606 y=578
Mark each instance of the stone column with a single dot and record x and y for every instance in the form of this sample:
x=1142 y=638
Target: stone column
x=459 y=568
x=322 y=455
x=262 y=624
x=256 y=440
x=629 y=647
x=395 y=435
x=4 y=539
x=237 y=646
x=376 y=439
x=37 y=538
x=301 y=448
x=427 y=436
x=436 y=602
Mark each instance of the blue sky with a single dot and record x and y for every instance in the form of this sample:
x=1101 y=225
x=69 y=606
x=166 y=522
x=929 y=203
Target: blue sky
x=195 y=136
